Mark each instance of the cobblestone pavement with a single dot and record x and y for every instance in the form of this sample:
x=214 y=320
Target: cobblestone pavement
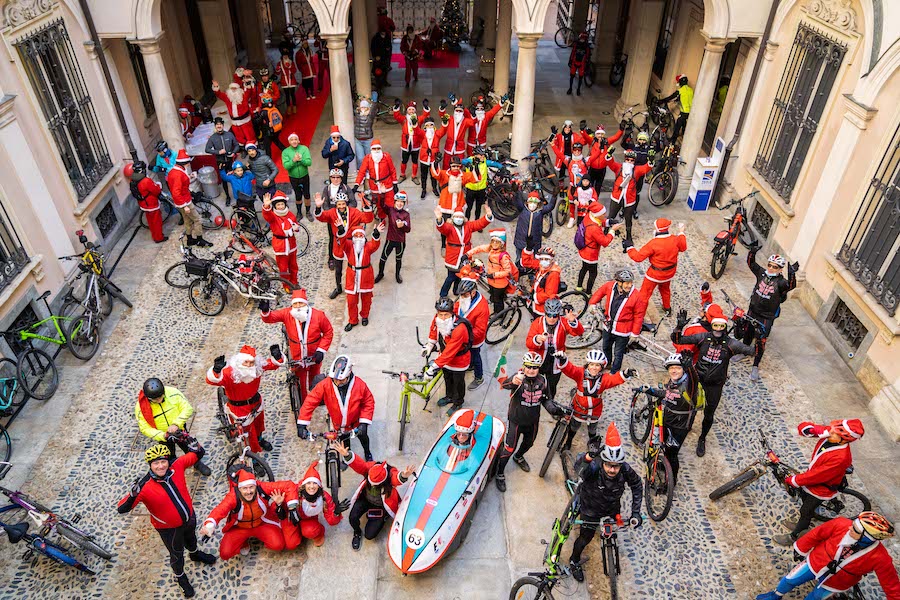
x=702 y=550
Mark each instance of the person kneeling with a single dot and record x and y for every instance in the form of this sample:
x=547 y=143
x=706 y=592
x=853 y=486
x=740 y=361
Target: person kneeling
x=307 y=512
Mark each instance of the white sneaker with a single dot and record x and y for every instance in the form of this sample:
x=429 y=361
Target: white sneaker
x=571 y=223
x=754 y=374
x=245 y=549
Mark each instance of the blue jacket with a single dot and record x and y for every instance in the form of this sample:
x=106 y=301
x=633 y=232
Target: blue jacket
x=529 y=225
x=239 y=185
x=161 y=165
x=344 y=153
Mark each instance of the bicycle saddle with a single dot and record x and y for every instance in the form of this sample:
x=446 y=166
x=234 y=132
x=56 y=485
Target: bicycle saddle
x=649 y=327
x=16 y=532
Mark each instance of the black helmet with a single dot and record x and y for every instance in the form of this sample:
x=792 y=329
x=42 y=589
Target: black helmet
x=683 y=80
x=444 y=304
x=466 y=286
x=553 y=307
x=154 y=388
x=624 y=275
x=479 y=150
x=139 y=166
x=162 y=146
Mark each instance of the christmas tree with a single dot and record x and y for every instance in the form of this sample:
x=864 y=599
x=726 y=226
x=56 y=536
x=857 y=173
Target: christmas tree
x=453 y=24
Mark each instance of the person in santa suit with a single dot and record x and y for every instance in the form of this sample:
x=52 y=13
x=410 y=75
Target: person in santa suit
x=267 y=86
x=827 y=469
x=179 y=180
x=432 y=37
x=452 y=336
x=624 y=193
x=622 y=308
x=599 y=144
x=473 y=307
x=699 y=324
x=457 y=234
x=194 y=110
x=342 y=219
x=576 y=170
x=359 y=280
x=411 y=136
x=578 y=61
x=146 y=192
x=251 y=94
x=452 y=183
x=663 y=252
x=378 y=167
x=563 y=143
x=547 y=277
x=547 y=335
x=838 y=554
x=283 y=224
x=304 y=61
x=482 y=120
x=309 y=334
x=411 y=49
x=307 y=513
x=595 y=236
x=287 y=75
x=348 y=400
x=322 y=62
x=429 y=154
x=248 y=511
x=456 y=131
x=239 y=110
x=240 y=377
x=184 y=117
x=376 y=497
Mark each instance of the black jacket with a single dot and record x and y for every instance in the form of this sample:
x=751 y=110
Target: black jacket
x=525 y=400
x=218 y=141
x=714 y=354
x=679 y=397
x=769 y=292
x=602 y=496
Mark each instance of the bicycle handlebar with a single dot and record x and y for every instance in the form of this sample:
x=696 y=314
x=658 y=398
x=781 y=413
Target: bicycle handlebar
x=333 y=435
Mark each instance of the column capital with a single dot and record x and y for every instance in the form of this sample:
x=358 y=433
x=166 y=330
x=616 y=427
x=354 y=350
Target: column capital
x=335 y=41
x=771 y=49
x=858 y=113
x=149 y=45
x=528 y=40
x=714 y=44
x=91 y=48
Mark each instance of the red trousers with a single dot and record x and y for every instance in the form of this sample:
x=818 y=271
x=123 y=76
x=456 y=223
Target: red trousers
x=412 y=68
x=382 y=199
x=353 y=306
x=244 y=133
x=154 y=222
x=234 y=539
x=287 y=266
x=665 y=291
x=305 y=377
x=310 y=529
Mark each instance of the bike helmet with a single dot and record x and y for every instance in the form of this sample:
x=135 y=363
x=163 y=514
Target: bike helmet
x=643 y=137
x=578 y=145
x=545 y=252
x=341 y=368
x=778 y=260
x=624 y=275
x=673 y=360
x=532 y=359
x=479 y=150
x=553 y=307
x=466 y=286
x=154 y=388
x=401 y=195
x=850 y=430
x=237 y=165
x=612 y=451
x=875 y=525
x=335 y=173
x=443 y=304
x=340 y=197
x=156 y=452
x=596 y=356
x=630 y=154
x=681 y=79
x=162 y=146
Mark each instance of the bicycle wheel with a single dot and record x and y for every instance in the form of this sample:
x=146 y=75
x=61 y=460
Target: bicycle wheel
x=302 y=238
x=280 y=288
x=547 y=224
x=177 y=276
x=83 y=337
x=617 y=73
x=610 y=563
x=208 y=212
x=553 y=446
x=564 y=37
x=720 y=255
x=165 y=211
x=83 y=541
x=333 y=475
x=742 y=480
x=504 y=208
x=659 y=487
x=640 y=418
x=5 y=444
x=746 y=235
x=562 y=212
x=385 y=113
x=530 y=588
x=503 y=324
x=593 y=332
x=38 y=374
x=404 y=418
x=659 y=188
x=56 y=553
x=589 y=75
x=294 y=393
x=206 y=297
x=254 y=461
x=578 y=300
x=11 y=392
x=546 y=178
x=848 y=503
x=673 y=188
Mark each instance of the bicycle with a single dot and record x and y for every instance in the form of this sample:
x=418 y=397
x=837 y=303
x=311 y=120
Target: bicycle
x=848 y=502
x=662 y=183
x=208 y=293
x=332 y=458
x=211 y=216
x=726 y=240
x=233 y=428
x=245 y=220
x=249 y=233
x=181 y=274
x=98 y=289
x=644 y=347
x=502 y=324
x=645 y=425
x=555 y=443
x=12 y=393
x=742 y=320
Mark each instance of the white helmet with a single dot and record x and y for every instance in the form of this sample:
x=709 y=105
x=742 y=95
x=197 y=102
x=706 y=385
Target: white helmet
x=341 y=368
x=614 y=455
x=778 y=260
x=532 y=359
x=672 y=360
x=596 y=356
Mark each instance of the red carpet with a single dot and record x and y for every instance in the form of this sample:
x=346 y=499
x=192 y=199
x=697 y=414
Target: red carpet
x=440 y=60
x=304 y=124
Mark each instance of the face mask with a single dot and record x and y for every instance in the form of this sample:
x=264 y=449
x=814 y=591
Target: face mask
x=576 y=156
x=771 y=274
x=301 y=314
x=627 y=169
x=281 y=212
x=532 y=206
x=376 y=155
x=545 y=264
x=718 y=332
x=464 y=303
x=358 y=243
x=454 y=171
x=479 y=114
x=458 y=221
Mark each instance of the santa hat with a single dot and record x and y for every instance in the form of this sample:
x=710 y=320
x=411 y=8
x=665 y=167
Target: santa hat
x=498 y=234
x=251 y=145
x=714 y=314
x=467 y=273
x=248 y=351
x=534 y=194
x=182 y=157
x=299 y=295
x=279 y=196
x=662 y=225
x=378 y=474
x=600 y=132
x=852 y=426
x=465 y=422
x=613 y=440
x=458 y=213
x=376 y=143
x=412 y=104
x=246 y=479
x=234 y=85
x=358 y=231
x=312 y=475
x=184 y=111
x=292 y=136
x=596 y=209
x=335 y=130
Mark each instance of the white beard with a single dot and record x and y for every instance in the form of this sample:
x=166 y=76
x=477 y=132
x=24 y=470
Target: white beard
x=465 y=303
x=311 y=509
x=235 y=95
x=359 y=244
x=627 y=169
x=242 y=374
x=444 y=326
x=454 y=184
x=457 y=118
x=429 y=134
x=377 y=156
x=301 y=314
x=479 y=114
x=281 y=212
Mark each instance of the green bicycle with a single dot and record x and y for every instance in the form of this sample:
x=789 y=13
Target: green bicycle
x=646 y=426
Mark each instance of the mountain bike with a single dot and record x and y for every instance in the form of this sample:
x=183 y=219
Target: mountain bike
x=18 y=532
x=742 y=320
x=645 y=347
x=503 y=324
x=234 y=430
x=726 y=240
x=12 y=393
x=662 y=182
x=245 y=220
x=99 y=291
x=181 y=274
x=501 y=193
x=5 y=444
x=555 y=443
x=211 y=216
x=847 y=503
x=646 y=425
x=209 y=293
x=617 y=71
x=332 y=458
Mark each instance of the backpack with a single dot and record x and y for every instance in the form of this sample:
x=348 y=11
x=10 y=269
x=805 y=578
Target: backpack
x=580 y=241
x=513 y=269
x=276 y=121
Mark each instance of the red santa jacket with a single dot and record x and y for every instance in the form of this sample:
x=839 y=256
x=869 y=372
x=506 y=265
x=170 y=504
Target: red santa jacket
x=451 y=202
x=546 y=282
x=304 y=61
x=629 y=317
x=597 y=154
x=345 y=413
x=559 y=146
x=343 y=225
x=359 y=279
x=430 y=147
x=588 y=401
x=662 y=251
x=179 y=186
x=478 y=131
x=822 y=544
x=577 y=169
x=382 y=174
x=827 y=467
x=286 y=72
x=631 y=186
x=582 y=198
x=315 y=334
x=239 y=113
x=390 y=498
x=594 y=239
x=455 y=135
x=159 y=495
x=271 y=88
x=324 y=506
x=459 y=239
x=410 y=136
x=283 y=230
x=691 y=328
x=478 y=315
x=558 y=339
x=149 y=190
x=454 y=355
x=233 y=509
x=243 y=398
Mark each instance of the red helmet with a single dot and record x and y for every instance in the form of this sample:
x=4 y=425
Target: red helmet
x=128 y=170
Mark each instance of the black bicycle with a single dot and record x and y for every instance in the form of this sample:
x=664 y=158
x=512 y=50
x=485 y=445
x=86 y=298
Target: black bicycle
x=555 y=443
x=504 y=323
x=211 y=215
x=332 y=458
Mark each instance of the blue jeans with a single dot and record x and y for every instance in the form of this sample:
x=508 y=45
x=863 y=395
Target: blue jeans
x=614 y=349
x=797 y=577
x=451 y=280
x=363 y=147
x=476 y=364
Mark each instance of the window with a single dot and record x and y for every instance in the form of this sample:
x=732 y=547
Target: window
x=761 y=220
x=802 y=94
x=847 y=325
x=49 y=61
x=870 y=251
x=140 y=75
x=664 y=41
x=12 y=255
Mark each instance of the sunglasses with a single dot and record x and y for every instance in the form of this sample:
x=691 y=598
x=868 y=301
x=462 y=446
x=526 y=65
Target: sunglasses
x=774 y=267
x=336 y=177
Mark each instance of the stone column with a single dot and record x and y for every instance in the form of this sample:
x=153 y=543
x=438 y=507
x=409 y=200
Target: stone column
x=502 y=54
x=704 y=90
x=605 y=39
x=339 y=68
x=252 y=34
x=580 y=14
x=361 y=48
x=525 y=80
x=166 y=111
x=278 y=20
x=371 y=16
x=643 y=29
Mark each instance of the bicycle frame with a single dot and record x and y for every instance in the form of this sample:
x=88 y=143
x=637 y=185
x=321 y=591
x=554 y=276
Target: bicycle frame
x=26 y=335
x=233 y=278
